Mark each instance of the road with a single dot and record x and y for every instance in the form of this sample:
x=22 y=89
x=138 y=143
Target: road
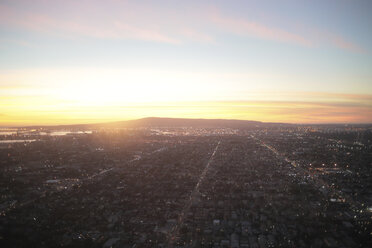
x=356 y=206
x=193 y=196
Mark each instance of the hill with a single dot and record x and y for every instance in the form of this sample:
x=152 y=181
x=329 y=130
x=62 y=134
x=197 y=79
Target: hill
x=163 y=122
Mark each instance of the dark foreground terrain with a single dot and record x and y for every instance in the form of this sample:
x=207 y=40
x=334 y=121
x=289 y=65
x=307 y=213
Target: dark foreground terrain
x=188 y=187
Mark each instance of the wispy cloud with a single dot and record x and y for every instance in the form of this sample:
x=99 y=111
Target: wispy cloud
x=108 y=29
x=256 y=29
x=345 y=97
x=153 y=23
x=260 y=30
x=162 y=25
x=342 y=43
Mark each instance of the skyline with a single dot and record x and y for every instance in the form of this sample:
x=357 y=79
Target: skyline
x=76 y=62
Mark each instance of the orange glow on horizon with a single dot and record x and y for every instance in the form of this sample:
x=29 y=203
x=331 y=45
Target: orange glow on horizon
x=92 y=95
x=122 y=60
x=44 y=113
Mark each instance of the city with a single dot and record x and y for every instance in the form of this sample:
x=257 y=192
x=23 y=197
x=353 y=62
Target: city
x=259 y=186
x=185 y=124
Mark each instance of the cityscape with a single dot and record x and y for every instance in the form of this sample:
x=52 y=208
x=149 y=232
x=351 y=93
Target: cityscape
x=262 y=185
x=185 y=124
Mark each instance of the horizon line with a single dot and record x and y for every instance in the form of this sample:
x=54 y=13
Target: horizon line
x=155 y=117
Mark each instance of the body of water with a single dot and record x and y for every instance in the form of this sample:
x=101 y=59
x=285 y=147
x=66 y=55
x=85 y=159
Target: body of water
x=16 y=141
x=3 y=133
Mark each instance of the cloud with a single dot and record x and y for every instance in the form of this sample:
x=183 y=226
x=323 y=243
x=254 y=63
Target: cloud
x=156 y=23
x=342 y=43
x=345 y=97
x=256 y=29
x=270 y=32
x=311 y=112
x=108 y=29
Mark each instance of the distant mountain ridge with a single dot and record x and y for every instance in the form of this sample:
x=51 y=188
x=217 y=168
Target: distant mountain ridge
x=162 y=122
x=183 y=122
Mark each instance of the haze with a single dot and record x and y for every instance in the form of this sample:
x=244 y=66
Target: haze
x=66 y=62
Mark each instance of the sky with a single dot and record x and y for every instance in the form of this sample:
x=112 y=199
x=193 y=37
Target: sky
x=65 y=62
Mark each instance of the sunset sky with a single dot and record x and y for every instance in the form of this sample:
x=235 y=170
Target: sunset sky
x=294 y=61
